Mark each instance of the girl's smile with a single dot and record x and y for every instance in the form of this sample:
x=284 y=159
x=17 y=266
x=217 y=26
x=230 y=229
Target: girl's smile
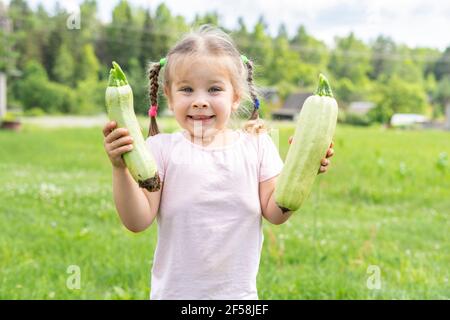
x=201 y=119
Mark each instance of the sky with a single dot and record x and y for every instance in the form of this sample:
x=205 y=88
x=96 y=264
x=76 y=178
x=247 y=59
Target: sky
x=417 y=23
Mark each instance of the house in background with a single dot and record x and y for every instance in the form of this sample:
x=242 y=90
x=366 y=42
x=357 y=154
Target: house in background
x=293 y=104
x=447 y=116
x=291 y=107
x=2 y=94
x=408 y=120
x=360 y=107
x=270 y=95
x=439 y=124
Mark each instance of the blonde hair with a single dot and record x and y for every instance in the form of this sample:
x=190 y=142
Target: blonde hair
x=217 y=43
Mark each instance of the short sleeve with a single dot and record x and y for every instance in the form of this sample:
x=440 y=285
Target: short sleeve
x=155 y=146
x=271 y=163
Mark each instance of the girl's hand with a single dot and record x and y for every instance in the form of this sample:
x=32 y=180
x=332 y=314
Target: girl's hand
x=325 y=162
x=116 y=142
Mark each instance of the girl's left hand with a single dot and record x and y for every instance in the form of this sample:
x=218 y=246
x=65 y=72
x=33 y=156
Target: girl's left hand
x=325 y=162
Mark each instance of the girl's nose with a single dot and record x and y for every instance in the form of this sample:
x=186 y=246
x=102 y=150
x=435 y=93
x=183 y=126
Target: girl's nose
x=200 y=104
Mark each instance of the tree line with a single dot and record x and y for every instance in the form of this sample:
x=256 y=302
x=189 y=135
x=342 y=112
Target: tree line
x=55 y=69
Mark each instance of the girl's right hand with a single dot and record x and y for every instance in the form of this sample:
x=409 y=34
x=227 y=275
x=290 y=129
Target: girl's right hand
x=116 y=142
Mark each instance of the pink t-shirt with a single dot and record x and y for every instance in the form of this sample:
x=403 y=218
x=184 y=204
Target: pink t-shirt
x=210 y=218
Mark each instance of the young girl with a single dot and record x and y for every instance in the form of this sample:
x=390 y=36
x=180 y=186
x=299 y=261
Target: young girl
x=217 y=183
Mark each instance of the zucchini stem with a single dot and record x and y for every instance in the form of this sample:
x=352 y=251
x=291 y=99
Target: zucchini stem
x=117 y=77
x=323 y=89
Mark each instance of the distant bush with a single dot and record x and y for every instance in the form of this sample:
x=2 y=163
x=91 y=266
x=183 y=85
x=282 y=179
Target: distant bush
x=38 y=95
x=398 y=96
x=34 y=112
x=90 y=97
x=58 y=98
x=35 y=90
x=9 y=116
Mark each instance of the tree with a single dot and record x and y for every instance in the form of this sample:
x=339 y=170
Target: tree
x=148 y=40
x=312 y=58
x=430 y=84
x=163 y=21
x=78 y=39
x=7 y=40
x=137 y=79
x=350 y=59
x=406 y=68
x=442 y=95
x=58 y=36
x=241 y=36
x=23 y=27
x=34 y=90
x=345 y=91
x=425 y=59
x=310 y=50
x=211 y=18
x=122 y=35
x=442 y=66
x=90 y=97
x=383 y=55
x=284 y=66
x=260 y=50
x=88 y=66
x=64 y=67
x=90 y=24
x=50 y=51
x=398 y=96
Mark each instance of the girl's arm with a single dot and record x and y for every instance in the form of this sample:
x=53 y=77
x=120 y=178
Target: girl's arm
x=270 y=210
x=137 y=207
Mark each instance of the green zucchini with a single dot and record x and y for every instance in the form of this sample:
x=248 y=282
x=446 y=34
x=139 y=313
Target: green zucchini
x=119 y=104
x=313 y=135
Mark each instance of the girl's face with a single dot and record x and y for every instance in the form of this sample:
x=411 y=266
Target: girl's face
x=201 y=96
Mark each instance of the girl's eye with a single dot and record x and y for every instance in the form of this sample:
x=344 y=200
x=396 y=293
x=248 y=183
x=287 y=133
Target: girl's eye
x=186 y=89
x=215 y=89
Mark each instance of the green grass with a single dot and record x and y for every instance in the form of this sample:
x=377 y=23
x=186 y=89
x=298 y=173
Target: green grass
x=385 y=201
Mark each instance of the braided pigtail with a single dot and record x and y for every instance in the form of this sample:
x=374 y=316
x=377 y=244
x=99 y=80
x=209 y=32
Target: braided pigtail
x=248 y=63
x=254 y=123
x=153 y=75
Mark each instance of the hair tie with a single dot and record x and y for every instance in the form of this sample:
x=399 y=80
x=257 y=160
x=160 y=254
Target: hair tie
x=152 y=111
x=256 y=103
x=162 y=62
x=244 y=59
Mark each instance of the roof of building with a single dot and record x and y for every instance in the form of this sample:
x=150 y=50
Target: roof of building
x=360 y=107
x=293 y=103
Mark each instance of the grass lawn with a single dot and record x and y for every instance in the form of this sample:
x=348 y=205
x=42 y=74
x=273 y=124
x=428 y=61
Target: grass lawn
x=385 y=202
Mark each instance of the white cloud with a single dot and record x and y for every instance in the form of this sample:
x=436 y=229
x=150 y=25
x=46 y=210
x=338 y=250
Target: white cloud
x=414 y=22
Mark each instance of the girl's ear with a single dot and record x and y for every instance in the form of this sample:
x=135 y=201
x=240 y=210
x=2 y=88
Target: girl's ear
x=236 y=102
x=167 y=94
x=166 y=91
